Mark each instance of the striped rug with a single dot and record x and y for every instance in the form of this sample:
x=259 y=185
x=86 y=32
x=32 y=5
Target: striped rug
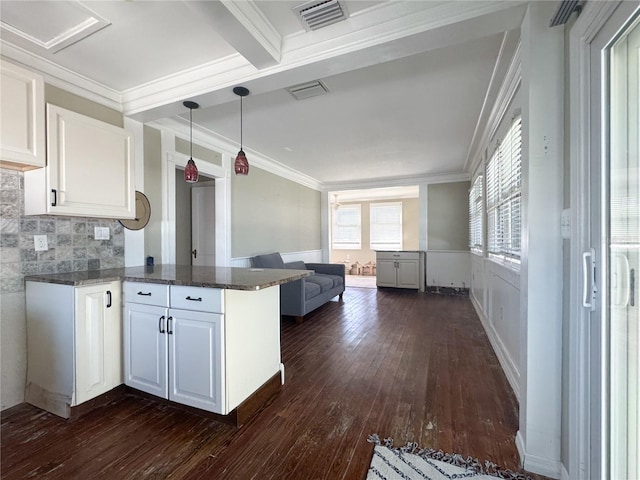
x=414 y=463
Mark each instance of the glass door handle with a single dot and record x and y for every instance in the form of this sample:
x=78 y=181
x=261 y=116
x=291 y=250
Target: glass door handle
x=589 y=288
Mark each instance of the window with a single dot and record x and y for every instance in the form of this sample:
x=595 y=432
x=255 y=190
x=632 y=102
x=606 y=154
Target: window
x=475 y=215
x=346 y=227
x=386 y=226
x=504 y=192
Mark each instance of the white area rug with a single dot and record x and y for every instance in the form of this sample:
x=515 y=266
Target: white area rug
x=413 y=463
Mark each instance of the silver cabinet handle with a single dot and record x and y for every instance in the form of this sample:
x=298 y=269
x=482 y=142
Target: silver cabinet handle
x=199 y=299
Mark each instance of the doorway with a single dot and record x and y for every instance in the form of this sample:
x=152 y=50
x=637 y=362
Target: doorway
x=195 y=220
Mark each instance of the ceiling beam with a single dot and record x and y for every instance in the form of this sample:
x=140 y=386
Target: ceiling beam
x=245 y=28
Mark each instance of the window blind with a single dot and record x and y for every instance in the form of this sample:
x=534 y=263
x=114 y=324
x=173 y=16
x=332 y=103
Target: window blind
x=347 y=227
x=386 y=226
x=504 y=193
x=475 y=214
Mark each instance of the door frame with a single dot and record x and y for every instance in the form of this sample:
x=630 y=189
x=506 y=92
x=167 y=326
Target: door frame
x=582 y=379
x=178 y=161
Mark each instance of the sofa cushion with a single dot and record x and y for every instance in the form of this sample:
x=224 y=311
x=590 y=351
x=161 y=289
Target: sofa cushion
x=299 y=265
x=311 y=290
x=322 y=281
x=271 y=260
x=336 y=279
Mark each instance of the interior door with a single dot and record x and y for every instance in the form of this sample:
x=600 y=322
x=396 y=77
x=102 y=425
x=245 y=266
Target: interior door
x=613 y=260
x=203 y=233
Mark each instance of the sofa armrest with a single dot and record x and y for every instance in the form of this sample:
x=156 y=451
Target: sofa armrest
x=327 y=268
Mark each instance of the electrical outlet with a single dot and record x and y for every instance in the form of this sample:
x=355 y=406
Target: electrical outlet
x=40 y=243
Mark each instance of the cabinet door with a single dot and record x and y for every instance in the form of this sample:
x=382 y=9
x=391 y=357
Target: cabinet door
x=22 y=131
x=196 y=359
x=386 y=273
x=408 y=274
x=98 y=340
x=145 y=348
x=90 y=166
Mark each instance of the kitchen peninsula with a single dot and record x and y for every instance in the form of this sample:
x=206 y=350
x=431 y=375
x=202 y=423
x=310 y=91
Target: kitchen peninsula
x=204 y=337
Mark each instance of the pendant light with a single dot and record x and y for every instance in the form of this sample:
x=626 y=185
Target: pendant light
x=241 y=165
x=191 y=171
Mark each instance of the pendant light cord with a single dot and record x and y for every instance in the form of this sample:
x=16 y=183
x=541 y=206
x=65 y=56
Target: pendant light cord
x=240 y=123
x=191 y=133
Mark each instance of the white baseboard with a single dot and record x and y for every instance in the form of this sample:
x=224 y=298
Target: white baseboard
x=539 y=465
x=564 y=475
x=507 y=364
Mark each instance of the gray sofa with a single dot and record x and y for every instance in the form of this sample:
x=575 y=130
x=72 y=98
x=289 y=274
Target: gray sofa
x=299 y=297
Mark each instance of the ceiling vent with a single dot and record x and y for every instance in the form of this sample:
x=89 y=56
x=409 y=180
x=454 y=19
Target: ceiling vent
x=317 y=14
x=308 y=90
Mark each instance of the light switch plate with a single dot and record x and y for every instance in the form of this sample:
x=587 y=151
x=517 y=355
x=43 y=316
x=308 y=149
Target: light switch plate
x=40 y=243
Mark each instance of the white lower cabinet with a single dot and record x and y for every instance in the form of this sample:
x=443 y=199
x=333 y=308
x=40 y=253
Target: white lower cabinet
x=400 y=270
x=74 y=337
x=175 y=354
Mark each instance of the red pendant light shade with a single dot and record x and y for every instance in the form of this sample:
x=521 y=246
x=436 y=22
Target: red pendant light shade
x=241 y=165
x=190 y=170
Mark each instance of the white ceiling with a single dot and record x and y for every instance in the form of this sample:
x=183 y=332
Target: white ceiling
x=409 y=81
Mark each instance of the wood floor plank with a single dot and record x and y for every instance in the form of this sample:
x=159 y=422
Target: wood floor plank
x=402 y=364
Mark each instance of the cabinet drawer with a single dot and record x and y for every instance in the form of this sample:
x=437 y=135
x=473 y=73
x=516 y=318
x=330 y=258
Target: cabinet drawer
x=398 y=255
x=146 y=293
x=197 y=298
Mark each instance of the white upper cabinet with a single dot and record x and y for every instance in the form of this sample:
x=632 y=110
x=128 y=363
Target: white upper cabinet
x=22 y=126
x=89 y=171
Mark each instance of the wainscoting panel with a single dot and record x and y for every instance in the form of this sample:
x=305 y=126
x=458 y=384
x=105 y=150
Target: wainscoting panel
x=495 y=294
x=308 y=256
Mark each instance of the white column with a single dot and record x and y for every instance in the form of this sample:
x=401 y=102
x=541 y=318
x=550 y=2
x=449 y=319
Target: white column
x=538 y=438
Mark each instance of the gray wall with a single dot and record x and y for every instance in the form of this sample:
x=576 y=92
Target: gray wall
x=448 y=216
x=71 y=248
x=270 y=213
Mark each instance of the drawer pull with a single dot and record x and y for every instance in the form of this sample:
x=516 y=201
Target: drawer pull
x=169 y=331
x=55 y=197
x=145 y=294
x=109 y=299
x=199 y=299
x=160 y=320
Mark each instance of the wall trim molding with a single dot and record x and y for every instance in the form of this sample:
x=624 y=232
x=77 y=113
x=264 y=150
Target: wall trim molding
x=307 y=256
x=398 y=181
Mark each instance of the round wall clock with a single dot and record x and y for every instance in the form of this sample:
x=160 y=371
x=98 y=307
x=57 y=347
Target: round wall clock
x=143 y=213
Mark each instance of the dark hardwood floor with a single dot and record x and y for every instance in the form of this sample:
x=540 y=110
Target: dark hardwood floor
x=402 y=364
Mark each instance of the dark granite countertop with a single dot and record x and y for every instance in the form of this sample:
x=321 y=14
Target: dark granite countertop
x=232 y=278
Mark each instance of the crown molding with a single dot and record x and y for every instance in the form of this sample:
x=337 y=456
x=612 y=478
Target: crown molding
x=62 y=77
x=398 y=181
x=506 y=93
x=224 y=145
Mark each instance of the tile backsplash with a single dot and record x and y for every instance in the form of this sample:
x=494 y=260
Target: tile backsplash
x=72 y=246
